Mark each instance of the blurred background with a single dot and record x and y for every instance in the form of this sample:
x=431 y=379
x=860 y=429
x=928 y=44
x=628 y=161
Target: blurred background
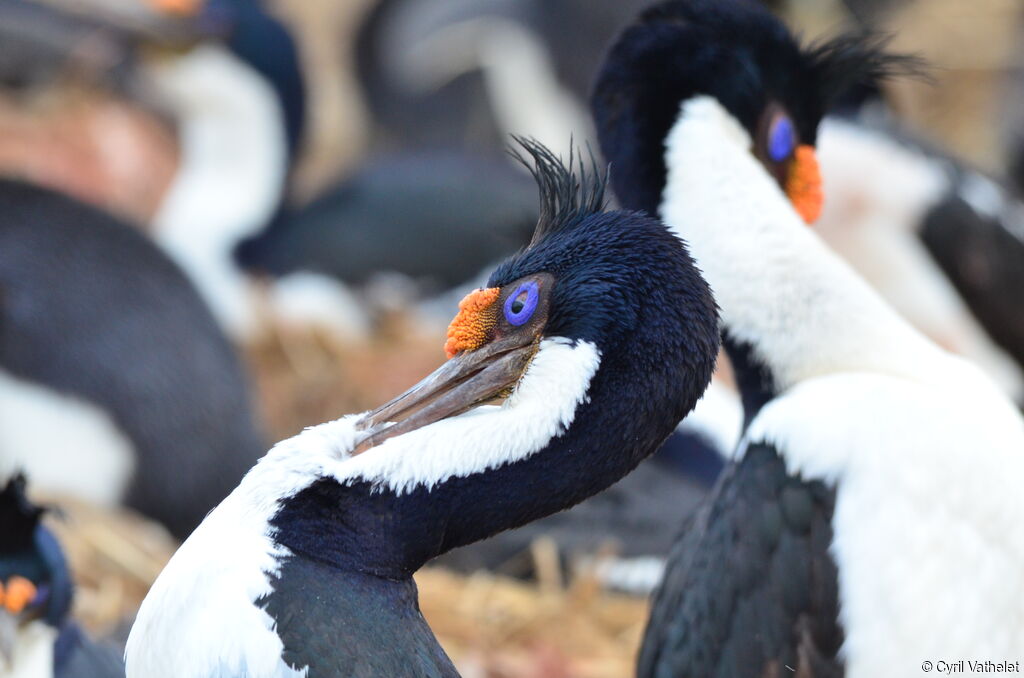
x=223 y=221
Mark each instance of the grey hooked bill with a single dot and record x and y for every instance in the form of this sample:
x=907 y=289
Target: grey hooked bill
x=469 y=379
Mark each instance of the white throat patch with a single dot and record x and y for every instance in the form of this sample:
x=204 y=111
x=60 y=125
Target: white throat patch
x=199 y=617
x=780 y=289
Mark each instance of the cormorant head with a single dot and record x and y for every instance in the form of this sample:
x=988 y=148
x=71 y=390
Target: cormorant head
x=34 y=578
x=574 y=363
x=617 y=282
x=742 y=57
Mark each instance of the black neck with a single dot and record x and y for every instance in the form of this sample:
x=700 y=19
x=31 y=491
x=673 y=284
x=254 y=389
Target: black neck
x=753 y=378
x=635 y=401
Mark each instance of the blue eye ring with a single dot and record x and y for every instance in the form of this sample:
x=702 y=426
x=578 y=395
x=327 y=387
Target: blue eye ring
x=529 y=304
x=781 y=138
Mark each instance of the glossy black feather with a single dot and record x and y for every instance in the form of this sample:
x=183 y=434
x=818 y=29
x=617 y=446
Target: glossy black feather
x=852 y=61
x=568 y=192
x=384 y=633
x=628 y=517
x=750 y=590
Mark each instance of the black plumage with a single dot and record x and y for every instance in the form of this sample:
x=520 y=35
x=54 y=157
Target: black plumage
x=771 y=607
x=378 y=610
x=626 y=521
x=91 y=309
x=676 y=50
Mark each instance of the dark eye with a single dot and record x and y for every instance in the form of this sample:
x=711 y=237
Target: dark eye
x=781 y=138
x=521 y=304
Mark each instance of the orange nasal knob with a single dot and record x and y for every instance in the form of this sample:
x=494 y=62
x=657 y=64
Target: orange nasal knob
x=177 y=7
x=472 y=325
x=803 y=186
x=18 y=594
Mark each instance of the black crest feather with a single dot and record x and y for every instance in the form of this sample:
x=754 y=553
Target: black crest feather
x=856 y=59
x=18 y=516
x=569 y=191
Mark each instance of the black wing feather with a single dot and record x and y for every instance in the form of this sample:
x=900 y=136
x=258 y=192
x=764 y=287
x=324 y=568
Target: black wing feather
x=750 y=587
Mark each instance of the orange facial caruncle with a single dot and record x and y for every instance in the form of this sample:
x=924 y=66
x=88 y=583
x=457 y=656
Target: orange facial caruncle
x=18 y=593
x=181 y=8
x=803 y=185
x=472 y=325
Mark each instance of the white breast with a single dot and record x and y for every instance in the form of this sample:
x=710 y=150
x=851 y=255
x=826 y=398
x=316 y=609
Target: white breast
x=927 y=534
x=925 y=452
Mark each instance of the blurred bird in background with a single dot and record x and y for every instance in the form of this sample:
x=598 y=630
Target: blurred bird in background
x=116 y=384
x=38 y=638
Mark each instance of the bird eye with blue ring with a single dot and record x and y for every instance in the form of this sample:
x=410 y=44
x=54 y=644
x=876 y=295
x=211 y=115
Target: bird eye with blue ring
x=781 y=138
x=521 y=304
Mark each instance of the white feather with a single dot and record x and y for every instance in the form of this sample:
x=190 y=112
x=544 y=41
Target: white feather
x=233 y=163
x=199 y=616
x=33 y=652
x=927 y=517
x=63 y=443
x=754 y=251
x=924 y=451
